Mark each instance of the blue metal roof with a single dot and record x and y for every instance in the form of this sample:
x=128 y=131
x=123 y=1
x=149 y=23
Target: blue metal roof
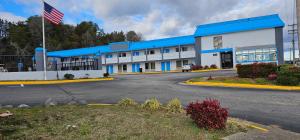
x=158 y=43
x=247 y=24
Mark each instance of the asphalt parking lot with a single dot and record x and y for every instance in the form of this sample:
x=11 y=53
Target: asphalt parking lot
x=268 y=107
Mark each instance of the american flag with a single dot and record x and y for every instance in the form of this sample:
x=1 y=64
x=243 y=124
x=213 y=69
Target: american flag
x=52 y=14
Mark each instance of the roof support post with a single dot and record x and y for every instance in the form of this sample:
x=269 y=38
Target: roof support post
x=162 y=53
x=179 y=51
x=146 y=52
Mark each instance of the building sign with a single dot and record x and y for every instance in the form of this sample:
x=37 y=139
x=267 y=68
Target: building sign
x=119 y=46
x=218 y=43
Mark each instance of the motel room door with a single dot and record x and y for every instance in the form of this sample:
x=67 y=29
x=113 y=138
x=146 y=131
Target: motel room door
x=110 y=69
x=226 y=60
x=135 y=67
x=166 y=66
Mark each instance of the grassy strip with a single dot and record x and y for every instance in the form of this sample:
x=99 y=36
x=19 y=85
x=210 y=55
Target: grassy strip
x=104 y=122
x=260 y=81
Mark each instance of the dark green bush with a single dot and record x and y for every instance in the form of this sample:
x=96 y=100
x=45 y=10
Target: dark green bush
x=69 y=76
x=105 y=75
x=287 y=80
x=289 y=70
x=256 y=70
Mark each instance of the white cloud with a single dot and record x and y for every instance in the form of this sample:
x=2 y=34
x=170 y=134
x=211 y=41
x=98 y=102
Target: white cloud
x=11 y=17
x=164 y=18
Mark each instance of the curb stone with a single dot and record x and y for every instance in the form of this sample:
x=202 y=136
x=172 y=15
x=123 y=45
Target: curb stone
x=23 y=106
x=50 y=102
x=8 y=106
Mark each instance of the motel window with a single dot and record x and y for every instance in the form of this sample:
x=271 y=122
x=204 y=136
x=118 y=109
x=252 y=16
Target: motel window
x=166 y=51
x=178 y=64
x=109 y=56
x=184 y=49
x=124 y=68
x=256 y=55
x=177 y=49
x=150 y=52
x=136 y=53
x=122 y=54
x=218 y=43
x=152 y=65
x=185 y=62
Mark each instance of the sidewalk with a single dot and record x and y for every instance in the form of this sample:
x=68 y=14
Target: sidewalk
x=273 y=133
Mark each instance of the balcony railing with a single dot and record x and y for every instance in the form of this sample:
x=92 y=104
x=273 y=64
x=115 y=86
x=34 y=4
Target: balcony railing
x=188 y=54
x=174 y=55
x=152 y=57
x=139 y=58
x=124 y=59
x=111 y=60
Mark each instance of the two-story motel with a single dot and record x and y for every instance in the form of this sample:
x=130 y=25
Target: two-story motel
x=225 y=44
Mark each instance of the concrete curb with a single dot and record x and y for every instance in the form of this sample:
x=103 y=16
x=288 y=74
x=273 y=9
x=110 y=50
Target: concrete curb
x=207 y=70
x=53 y=81
x=247 y=86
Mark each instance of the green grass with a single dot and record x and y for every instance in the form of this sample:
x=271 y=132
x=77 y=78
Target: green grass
x=104 y=122
x=261 y=81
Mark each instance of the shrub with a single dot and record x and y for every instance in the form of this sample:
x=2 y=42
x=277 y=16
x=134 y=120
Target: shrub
x=210 y=78
x=69 y=76
x=197 y=67
x=289 y=70
x=127 y=102
x=174 y=106
x=213 y=66
x=208 y=114
x=287 y=80
x=206 y=67
x=105 y=75
x=272 y=77
x=151 y=104
x=256 y=70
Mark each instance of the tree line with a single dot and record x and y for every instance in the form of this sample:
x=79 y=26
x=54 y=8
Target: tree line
x=23 y=37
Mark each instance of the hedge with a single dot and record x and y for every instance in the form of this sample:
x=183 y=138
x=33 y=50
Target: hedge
x=256 y=70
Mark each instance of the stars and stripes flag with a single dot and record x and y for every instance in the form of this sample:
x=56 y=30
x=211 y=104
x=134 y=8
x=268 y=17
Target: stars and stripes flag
x=52 y=14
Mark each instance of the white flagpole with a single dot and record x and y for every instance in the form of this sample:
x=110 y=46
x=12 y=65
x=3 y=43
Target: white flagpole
x=44 y=43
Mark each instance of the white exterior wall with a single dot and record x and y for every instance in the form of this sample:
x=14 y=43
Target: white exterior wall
x=112 y=60
x=155 y=56
x=129 y=67
x=236 y=40
x=141 y=57
x=51 y=75
x=157 y=65
x=209 y=59
x=173 y=65
x=116 y=68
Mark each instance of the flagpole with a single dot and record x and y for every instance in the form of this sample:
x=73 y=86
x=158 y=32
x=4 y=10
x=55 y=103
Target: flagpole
x=44 y=43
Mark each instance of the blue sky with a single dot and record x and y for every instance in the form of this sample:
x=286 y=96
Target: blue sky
x=155 y=18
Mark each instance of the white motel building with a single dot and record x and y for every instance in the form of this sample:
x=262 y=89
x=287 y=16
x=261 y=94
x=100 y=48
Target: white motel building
x=225 y=44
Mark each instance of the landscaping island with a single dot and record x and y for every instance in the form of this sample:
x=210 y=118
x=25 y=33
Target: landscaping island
x=257 y=75
x=105 y=122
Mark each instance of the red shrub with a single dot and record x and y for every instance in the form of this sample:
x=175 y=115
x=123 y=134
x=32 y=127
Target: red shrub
x=208 y=114
x=206 y=67
x=197 y=67
x=272 y=77
x=213 y=66
x=256 y=70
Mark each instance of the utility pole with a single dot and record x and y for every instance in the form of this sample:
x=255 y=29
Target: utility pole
x=298 y=21
x=293 y=32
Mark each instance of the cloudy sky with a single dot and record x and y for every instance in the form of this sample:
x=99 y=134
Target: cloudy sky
x=152 y=18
